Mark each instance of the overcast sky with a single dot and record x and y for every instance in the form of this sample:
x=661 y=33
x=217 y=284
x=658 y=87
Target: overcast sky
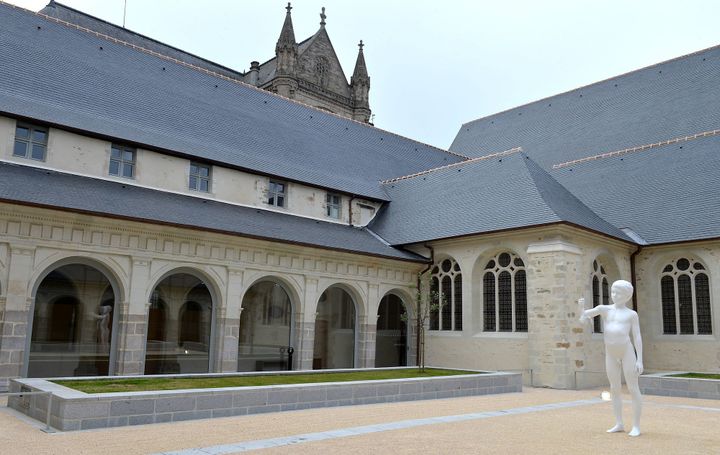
x=437 y=64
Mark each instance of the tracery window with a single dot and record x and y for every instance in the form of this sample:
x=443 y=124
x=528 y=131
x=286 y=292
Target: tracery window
x=685 y=295
x=321 y=71
x=505 y=294
x=446 y=288
x=600 y=292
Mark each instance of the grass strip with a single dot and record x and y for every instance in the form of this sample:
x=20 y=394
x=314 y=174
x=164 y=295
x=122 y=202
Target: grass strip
x=141 y=384
x=696 y=375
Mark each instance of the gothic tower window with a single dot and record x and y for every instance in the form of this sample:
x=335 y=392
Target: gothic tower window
x=446 y=288
x=685 y=296
x=505 y=294
x=321 y=71
x=600 y=291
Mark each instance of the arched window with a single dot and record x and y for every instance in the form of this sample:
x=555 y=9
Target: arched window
x=685 y=295
x=391 y=333
x=446 y=289
x=334 y=344
x=505 y=294
x=321 y=71
x=600 y=291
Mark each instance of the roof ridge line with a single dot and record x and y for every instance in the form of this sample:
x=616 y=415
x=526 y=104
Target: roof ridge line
x=652 y=65
x=638 y=148
x=218 y=75
x=467 y=161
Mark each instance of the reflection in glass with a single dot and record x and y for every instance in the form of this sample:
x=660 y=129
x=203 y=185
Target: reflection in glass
x=179 y=326
x=334 y=331
x=391 y=341
x=72 y=324
x=264 y=328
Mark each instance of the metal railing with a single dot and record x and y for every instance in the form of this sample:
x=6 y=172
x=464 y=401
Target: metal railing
x=49 y=403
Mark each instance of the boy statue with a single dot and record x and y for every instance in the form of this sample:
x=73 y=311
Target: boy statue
x=619 y=322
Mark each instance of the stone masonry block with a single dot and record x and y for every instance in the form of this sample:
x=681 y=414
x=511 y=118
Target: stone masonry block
x=214 y=401
x=132 y=407
x=174 y=404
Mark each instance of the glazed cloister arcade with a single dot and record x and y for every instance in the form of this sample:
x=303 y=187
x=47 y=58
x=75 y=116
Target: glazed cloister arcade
x=77 y=330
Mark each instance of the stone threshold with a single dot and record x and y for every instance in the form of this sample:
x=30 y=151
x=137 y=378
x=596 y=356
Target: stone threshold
x=74 y=410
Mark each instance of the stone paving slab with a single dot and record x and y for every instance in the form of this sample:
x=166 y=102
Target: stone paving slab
x=670 y=425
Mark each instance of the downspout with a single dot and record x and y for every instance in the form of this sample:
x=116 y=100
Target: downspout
x=633 y=276
x=422 y=272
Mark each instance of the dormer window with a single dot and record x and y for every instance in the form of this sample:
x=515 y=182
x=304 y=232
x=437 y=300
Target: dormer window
x=199 y=177
x=333 y=205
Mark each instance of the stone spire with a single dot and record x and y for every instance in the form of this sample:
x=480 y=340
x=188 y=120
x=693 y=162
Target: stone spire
x=360 y=87
x=286 y=49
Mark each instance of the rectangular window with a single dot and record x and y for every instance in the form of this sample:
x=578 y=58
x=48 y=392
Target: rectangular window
x=277 y=193
x=199 y=177
x=122 y=161
x=30 y=142
x=332 y=205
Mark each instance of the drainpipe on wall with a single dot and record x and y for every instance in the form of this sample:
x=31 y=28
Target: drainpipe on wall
x=419 y=322
x=633 y=277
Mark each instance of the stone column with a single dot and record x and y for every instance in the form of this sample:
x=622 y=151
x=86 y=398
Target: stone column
x=305 y=326
x=16 y=315
x=366 y=344
x=132 y=326
x=227 y=319
x=554 y=285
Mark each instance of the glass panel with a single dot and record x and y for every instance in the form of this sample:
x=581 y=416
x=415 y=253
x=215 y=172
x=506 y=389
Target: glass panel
x=446 y=299
x=179 y=326
x=264 y=328
x=457 y=283
x=72 y=324
x=668 y=268
x=38 y=152
x=518 y=262
x=20 y=148
x=114 y=167
x=702 y=298
x=595 y=302
x=204 y=171
x=271 y=200
x=391 y=335
x=505 y=301
x=435 y=296
x=605 y=292
x=446 y=265
x=489 y=301
x=281 y=201
x=115 y=153
x=204 y=185
x=504 y=260
x=129 y=156
x=521 y=318
x=595 y=266
x=698 y=266
x=128 y=170
x=490 y=264
x=667 y=291
x=193 y=169
x=683 y=264
x=22 y=132
x=39 y=136
x=686 y=304
x=334 y=331
x=193 y=182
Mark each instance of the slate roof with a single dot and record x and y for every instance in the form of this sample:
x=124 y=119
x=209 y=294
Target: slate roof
x=76 y=80
x=68 y=14
x=486 y=195
x=642 y=190
x=39 y=187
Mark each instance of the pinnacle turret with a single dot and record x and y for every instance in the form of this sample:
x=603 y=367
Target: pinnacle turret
x=286 y=49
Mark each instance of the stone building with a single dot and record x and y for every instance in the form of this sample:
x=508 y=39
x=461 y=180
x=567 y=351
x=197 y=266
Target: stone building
x=158 y=214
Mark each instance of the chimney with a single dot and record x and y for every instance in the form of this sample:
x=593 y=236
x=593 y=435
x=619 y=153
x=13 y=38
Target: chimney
x=254 y=71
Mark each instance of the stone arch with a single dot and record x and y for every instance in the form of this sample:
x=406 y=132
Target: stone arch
x=336 y=340
x=189 y=344
x=265 y=332
x=204 y=274
x=89 y=348
x=290 y=286
x=392 y=340
x=358 y=296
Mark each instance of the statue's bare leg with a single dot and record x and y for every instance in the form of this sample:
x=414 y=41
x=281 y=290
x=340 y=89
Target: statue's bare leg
x=631 y=379
x=614 y=372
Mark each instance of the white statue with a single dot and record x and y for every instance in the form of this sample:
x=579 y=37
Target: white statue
x=619 y=322
x=103 y=325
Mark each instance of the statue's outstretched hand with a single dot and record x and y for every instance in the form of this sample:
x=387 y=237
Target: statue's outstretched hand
x=639 y=367
x=581 y=306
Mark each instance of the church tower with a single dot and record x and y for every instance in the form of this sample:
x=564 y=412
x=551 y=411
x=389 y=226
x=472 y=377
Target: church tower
x=310 y=72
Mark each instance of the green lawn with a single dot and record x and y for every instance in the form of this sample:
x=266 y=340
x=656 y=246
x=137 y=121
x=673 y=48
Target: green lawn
x=696 y=375
x=145 y=384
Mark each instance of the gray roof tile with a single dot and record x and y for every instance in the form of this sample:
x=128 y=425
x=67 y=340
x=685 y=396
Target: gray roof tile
x=27 y=185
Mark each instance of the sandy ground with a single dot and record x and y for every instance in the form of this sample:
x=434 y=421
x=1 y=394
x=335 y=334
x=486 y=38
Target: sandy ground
x=670 y=425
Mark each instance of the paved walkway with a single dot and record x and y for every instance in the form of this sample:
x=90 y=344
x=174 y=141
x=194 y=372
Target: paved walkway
x=535 y=421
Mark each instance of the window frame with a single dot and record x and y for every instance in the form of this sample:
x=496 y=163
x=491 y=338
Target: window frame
x=29 y=142
x=199 y=178
x=122 y=162
x=273 y=194
x=494 y=272
x=672 y=271
x=453 y=308
x=599 y=273
x=329 y=205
